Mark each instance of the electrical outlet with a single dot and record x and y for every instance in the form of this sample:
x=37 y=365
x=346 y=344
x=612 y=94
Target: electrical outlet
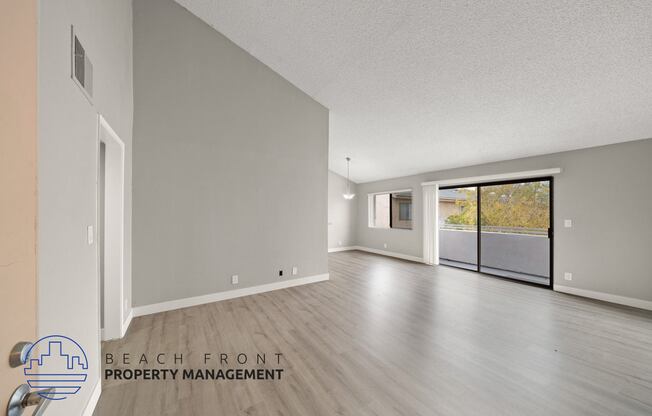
x=568 y=223
x=280 y=273
x=90 y=235
x=568 y=276
x=339 y=243
x=384 y=245
x=295 y=270
x=234 y=279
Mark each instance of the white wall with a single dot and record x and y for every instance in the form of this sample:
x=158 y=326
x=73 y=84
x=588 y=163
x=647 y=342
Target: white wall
x=604 y=190
x=68 y=290
x=341 y=212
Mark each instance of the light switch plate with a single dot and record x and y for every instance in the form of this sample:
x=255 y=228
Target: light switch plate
x=568 y=276
x=234 y=279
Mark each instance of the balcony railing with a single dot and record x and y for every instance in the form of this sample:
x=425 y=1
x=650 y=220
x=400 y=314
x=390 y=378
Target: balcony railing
x=512 y=249
x=495 y=229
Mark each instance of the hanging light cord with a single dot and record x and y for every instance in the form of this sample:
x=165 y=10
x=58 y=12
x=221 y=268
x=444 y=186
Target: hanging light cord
x=348 y=181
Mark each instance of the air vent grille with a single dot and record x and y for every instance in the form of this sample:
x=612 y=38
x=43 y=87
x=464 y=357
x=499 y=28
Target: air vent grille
x=82 y=67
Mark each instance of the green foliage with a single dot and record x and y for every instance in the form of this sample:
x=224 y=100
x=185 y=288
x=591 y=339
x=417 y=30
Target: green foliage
x=468 y=210
x=514 y=205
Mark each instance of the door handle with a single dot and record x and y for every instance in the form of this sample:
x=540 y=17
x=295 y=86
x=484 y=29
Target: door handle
x=23 y=398
x=18 y=354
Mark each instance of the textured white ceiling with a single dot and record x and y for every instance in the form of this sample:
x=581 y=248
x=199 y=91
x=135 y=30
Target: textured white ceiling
x=414 y=86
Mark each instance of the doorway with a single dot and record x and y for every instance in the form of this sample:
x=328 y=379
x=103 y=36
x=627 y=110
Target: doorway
x=502 y=229
x=110 y=233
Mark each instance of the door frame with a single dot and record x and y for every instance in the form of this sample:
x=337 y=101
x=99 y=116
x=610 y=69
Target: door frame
x=551 y=232
x=113 y=289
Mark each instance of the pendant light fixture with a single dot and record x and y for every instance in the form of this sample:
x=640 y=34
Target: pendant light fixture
x=348 y=194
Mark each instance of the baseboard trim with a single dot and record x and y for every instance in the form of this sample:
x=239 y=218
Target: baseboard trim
x=229 y=294
x=336 y=249
x=126 y=323
x=92 y=401
x=621 y=300
x=389 y=254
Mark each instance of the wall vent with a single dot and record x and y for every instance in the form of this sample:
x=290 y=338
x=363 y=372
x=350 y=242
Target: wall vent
x=82 y=67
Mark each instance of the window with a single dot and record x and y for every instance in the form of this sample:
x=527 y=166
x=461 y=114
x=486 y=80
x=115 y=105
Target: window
x=381 y=211
x=499 y=228
x=391 y=210
x=405 y=211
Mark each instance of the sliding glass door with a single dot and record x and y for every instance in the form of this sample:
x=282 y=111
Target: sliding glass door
x=503 y=229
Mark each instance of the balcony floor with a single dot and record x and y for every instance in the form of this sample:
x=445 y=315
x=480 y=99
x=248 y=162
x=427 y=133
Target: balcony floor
x=541 y=280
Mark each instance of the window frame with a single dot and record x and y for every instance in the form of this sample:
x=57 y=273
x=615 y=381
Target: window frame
x=371 y=209
x=551 y=229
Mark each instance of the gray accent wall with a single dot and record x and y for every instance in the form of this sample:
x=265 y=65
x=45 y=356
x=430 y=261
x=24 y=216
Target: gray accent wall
x=604 y=190
x=230 y=164
x=68 y=281
x=341 y=212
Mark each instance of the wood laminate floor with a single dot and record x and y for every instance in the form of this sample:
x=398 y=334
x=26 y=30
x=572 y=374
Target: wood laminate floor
x=391 y=337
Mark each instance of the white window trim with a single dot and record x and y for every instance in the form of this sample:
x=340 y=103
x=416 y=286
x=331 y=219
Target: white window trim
x=529 y=174
x=371 y=213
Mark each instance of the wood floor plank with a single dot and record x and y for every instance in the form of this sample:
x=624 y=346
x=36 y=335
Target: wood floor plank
x=391 y=337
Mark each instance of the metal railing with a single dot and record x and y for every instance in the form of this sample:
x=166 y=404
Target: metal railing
x=495 y=229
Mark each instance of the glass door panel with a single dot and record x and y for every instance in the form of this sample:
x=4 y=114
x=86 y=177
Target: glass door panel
x=515 y=230
x=458 y=229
